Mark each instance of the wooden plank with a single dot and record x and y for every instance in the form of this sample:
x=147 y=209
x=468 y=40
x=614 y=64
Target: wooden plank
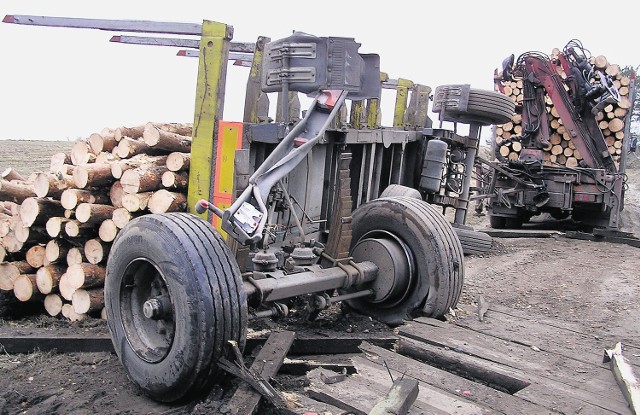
x=300 y=365
x=26 y=341
x=573 y=382
x=399 y=399
x=520 y=233
x=466 y=391
x=305 y=405
x=267 y=363
x=58 y=343
x=358 y=393
x=563 y=338
x=325 y=343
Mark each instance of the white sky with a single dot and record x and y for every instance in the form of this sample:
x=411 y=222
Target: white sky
x=64 y=84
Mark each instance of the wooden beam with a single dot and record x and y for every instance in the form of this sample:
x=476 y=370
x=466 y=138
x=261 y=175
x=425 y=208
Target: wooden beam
x=625 y=378
x=58 y=343
x=399 y=399
x=266 y=364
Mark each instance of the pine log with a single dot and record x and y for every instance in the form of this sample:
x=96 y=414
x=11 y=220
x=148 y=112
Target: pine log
x=11 y=244
x=53 y=304
x=96 y=251
x=128 y=148
x=65 y=287
x=56 y=250
x=54 y=226
x=118 y=168
x=9 y=271
x=37 y=210
x=601 y=62
x=157 y=138
x=108 y=231
x=75 y=255
x=59 y=163
x=4 y=227
x=10 y=174
x=121 y=217
x=106 y=157
x=571 y=162
x=164 y=201
x=142 y=179
x=556 y=150
x=178 y=161
x=24 y=287
x=116 y=192
x=36 y=256
x=88 y=301
x=52 y=185
x=175 y=181
x=136 y=202
x=131 y=132
x=70 y=198
x=29 y=235
x=69 y=214
x=85 y=275
x=516 y=146
x=3 y=253
x=71 y=313
x=103 y=313
x=80 y=154
x=616 y=125
x=92 y=175
x=93 y=212
x=16 y=193
x=99 y=142
x=77 y=229
x=48 y=278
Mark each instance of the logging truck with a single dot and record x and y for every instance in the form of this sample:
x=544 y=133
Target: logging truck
x=324 y=210
x=564 y=151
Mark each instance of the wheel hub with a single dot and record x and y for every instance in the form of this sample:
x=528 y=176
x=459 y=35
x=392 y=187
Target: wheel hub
x=395 y=267
x=146 y=311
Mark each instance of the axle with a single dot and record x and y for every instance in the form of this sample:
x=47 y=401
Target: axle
x=278 y=285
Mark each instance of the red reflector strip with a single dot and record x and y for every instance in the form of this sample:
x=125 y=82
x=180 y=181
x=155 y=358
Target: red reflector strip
x=182 y=53
x=298 y=141
x=114 y=39
x=9 y=19
x=584 y=198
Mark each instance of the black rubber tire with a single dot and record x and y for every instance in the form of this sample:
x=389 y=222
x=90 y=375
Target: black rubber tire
x=208 y=302
x=485 y=108
x=435 y=248
x=394 y=190
x=474 y=242
x=497 y=222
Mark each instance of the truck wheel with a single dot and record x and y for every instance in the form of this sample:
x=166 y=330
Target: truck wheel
x=174 y=298
x=497 y=222
x=483 y=107
x=418 y=254
x=394 y=190
x=474 y=242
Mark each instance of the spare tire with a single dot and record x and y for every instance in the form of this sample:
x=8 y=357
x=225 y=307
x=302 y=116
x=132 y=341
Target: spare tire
x=483 y=107
x=394 y=190
x=474 y=242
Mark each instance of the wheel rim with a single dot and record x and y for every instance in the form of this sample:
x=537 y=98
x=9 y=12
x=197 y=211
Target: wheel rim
x=146 y=310
x=395 y=277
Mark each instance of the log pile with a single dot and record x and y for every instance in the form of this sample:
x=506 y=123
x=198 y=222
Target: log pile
x=56 y=227
x=561 y=149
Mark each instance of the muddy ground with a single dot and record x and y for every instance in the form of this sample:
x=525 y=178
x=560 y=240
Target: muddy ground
x=592 y=284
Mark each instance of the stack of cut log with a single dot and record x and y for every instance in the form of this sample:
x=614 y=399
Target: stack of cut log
x=561 y=150
x=56 y=227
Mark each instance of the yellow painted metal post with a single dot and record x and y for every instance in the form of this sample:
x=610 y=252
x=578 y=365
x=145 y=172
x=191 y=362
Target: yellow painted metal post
x=253 y=95
x=402 y=95
x=373 y=107
x=212 y=68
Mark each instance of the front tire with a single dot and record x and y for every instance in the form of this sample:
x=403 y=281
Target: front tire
x=427 y=276
x=174 y=298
